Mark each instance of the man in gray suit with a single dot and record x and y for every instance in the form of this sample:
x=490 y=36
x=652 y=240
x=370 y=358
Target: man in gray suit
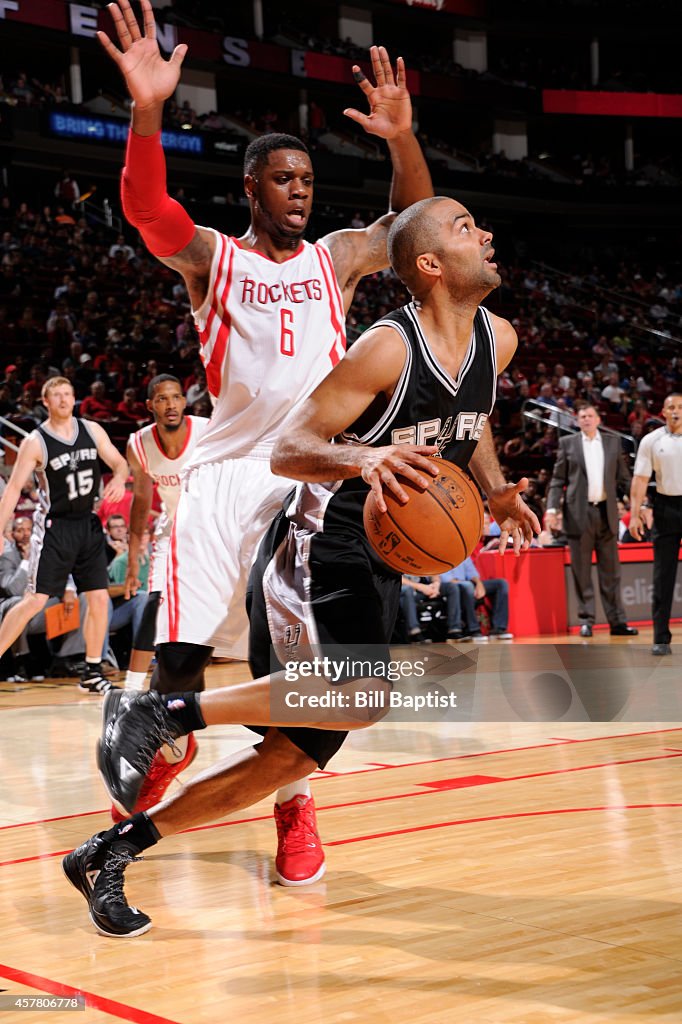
x=590 y=472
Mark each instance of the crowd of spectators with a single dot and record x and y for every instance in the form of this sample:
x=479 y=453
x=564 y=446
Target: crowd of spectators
x=94 y=307
x=23 y=89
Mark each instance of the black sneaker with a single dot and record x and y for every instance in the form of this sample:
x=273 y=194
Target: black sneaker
x=135 y=726
x=96 y=870
x=93 y=680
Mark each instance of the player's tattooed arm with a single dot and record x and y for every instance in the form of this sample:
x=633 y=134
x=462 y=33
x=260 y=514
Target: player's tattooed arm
x=356 y=252
x=194 y=263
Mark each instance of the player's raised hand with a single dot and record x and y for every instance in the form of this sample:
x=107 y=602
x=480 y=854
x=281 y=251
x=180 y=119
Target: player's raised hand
x=390 y=107
x=513 y=516
x=150 y=78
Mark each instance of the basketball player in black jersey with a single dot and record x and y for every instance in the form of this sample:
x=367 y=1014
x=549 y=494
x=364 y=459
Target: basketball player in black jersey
x=67 y=536
x=419 y=383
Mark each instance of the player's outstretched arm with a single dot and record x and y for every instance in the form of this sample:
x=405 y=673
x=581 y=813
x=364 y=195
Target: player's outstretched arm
x=359 y=252
x=167 y=230
x=304 y=450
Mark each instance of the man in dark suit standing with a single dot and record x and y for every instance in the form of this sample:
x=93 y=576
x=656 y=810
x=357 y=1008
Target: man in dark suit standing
x=589 y=473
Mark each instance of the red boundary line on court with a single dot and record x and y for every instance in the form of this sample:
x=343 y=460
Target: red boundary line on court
x=382 y=799
x=46 y=821
x=57 y=988
x=497 y=817
x=379 y=768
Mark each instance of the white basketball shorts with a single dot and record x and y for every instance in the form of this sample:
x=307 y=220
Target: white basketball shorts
x=223 y=512
x=157 y=570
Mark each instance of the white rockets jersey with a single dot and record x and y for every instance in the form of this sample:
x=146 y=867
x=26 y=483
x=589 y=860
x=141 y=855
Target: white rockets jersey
x=166 y=473
x=269 y=332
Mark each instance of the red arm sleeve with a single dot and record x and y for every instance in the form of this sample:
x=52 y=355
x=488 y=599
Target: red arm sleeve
x=165 y=226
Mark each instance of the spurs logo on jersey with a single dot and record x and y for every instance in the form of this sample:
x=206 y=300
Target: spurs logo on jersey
x=269 y=332
x=72 y=459
x=465 y=425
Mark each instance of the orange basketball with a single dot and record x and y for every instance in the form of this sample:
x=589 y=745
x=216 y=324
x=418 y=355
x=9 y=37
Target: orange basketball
x=436 y=530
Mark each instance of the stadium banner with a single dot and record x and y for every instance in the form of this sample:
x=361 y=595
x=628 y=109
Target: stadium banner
x=82 y=20
x=110 y=130
x=611 y=104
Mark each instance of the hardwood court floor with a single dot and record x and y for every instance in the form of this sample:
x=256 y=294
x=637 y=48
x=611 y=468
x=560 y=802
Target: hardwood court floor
x=494 y=873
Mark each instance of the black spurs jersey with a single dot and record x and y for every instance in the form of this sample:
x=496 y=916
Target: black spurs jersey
x=69 y=475
x=427 y=407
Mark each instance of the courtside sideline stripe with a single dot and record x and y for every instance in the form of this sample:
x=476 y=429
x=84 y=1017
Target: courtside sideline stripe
x=57 y=988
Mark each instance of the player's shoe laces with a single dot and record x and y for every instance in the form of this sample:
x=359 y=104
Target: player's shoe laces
x=300 y=858
x=135 y=726
x=96 y=870
x=93 y=680
x=161 y=774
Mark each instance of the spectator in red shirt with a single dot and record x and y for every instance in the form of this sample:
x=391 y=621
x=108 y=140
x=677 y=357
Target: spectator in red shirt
x=108 y=508
x=96 y=406
x=130 y=409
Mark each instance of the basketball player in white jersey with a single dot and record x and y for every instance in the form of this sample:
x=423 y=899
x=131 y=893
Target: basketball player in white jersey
x=270 y=309
x=157 y=455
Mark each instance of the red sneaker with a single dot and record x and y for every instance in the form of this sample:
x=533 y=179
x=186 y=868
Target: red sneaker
x=160 y=776
x=300 y=858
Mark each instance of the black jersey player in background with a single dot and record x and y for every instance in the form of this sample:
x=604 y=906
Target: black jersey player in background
x=67 y=536
x=424 y=374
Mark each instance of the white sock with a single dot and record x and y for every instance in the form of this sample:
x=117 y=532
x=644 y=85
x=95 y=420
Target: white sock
x=181 y=746
x=300 y=788
x=135 y=680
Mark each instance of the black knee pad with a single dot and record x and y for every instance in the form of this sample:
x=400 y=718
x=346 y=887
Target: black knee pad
x=180 y=667
x=144 y=638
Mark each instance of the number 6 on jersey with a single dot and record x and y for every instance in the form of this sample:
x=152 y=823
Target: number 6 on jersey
x=286 y=338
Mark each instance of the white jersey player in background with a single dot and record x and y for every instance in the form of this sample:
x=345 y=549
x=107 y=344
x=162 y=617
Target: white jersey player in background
x=270 y=309
x=157 y=455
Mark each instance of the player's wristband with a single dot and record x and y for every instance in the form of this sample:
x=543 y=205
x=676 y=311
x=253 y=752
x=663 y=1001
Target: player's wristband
x=165 y=226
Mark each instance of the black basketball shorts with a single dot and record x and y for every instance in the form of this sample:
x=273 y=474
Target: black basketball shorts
x=69 y=547
x=338 y=598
